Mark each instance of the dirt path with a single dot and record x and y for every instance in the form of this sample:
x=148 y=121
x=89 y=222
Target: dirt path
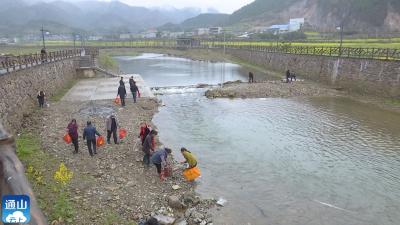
x=114 y=183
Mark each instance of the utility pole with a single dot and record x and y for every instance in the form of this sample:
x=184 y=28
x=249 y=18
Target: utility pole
x=223 y=66
x=224 y=43
x=277 y=39
x=44 y=44
x=341 y=38
x=74 y=36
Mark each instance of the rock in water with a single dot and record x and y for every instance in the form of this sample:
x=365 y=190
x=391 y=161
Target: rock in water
x=221 y=202
x=165 y=220
x=190 y=198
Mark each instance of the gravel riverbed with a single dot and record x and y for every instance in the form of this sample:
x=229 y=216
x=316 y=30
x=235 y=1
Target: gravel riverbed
x=269 y=89
x=115 y=180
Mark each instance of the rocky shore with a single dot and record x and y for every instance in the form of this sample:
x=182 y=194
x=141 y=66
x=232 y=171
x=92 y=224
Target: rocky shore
x=115 y=183
x=240 y=89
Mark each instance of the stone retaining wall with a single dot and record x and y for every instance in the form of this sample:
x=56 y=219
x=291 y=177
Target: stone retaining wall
x=376 y=77
x=18 y=90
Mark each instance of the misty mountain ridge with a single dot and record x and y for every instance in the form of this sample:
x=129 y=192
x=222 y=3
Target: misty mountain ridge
x=92 y=16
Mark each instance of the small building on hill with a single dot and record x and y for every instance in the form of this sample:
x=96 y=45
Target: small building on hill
x=215 y=30
x=296 y=24
x=278 y=29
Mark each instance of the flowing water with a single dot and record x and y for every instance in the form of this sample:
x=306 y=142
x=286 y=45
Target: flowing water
x=311 y=161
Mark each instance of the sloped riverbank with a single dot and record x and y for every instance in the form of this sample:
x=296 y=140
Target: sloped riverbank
x=113 y=187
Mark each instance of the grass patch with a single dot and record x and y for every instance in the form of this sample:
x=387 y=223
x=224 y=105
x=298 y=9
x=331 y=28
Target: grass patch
x=112 y=218
x=120 y=52
x=60 y=94
x=54 y=202
x=393 y=101
x=107 y=62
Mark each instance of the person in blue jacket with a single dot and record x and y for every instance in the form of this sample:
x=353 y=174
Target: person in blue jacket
x=89 y=134
x=159 y=158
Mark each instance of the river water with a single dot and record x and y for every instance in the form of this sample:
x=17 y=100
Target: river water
x=311 y=161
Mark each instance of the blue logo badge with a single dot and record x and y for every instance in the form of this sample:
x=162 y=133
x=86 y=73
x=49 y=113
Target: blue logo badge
x=15 y=209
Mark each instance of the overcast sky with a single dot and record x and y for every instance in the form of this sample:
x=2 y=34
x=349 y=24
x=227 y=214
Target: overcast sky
x=223 y=6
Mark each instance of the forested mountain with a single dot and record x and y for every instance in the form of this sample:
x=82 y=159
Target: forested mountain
x=22 y=17
x=200 y=21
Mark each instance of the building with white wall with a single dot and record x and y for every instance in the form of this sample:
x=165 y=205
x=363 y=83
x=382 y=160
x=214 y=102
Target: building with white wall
x=296 y=24
x=215 y=30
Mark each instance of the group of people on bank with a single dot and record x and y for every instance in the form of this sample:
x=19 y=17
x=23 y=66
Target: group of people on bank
x=159 y=157
x=122 y=90
x=147 y=135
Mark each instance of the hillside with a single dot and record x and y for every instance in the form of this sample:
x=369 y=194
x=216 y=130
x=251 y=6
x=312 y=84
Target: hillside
x=207 y=19
x=91 y=16
x=321 y=15
x=357 y=15
x=202 y=20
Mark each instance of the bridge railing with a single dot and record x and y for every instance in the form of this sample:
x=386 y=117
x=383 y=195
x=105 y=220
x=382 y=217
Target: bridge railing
x=12 y=177
x=345 y=52
x=13 y=63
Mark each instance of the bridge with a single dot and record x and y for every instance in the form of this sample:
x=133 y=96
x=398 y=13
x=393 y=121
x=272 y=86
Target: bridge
x=12 y=63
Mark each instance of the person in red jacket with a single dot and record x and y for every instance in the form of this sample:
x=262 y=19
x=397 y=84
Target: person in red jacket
x=72 y=130
x=144 y=131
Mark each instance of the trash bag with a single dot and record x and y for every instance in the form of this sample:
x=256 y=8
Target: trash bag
x=67 y=138
x=191 y=174
x=99 y=141
x=117 y=100
x=122 y=133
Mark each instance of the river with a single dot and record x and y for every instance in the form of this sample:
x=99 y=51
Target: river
x=288 y=161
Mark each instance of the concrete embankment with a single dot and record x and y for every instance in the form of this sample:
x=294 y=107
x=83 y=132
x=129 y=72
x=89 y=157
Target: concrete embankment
x=18 y=90
x=372 y=77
